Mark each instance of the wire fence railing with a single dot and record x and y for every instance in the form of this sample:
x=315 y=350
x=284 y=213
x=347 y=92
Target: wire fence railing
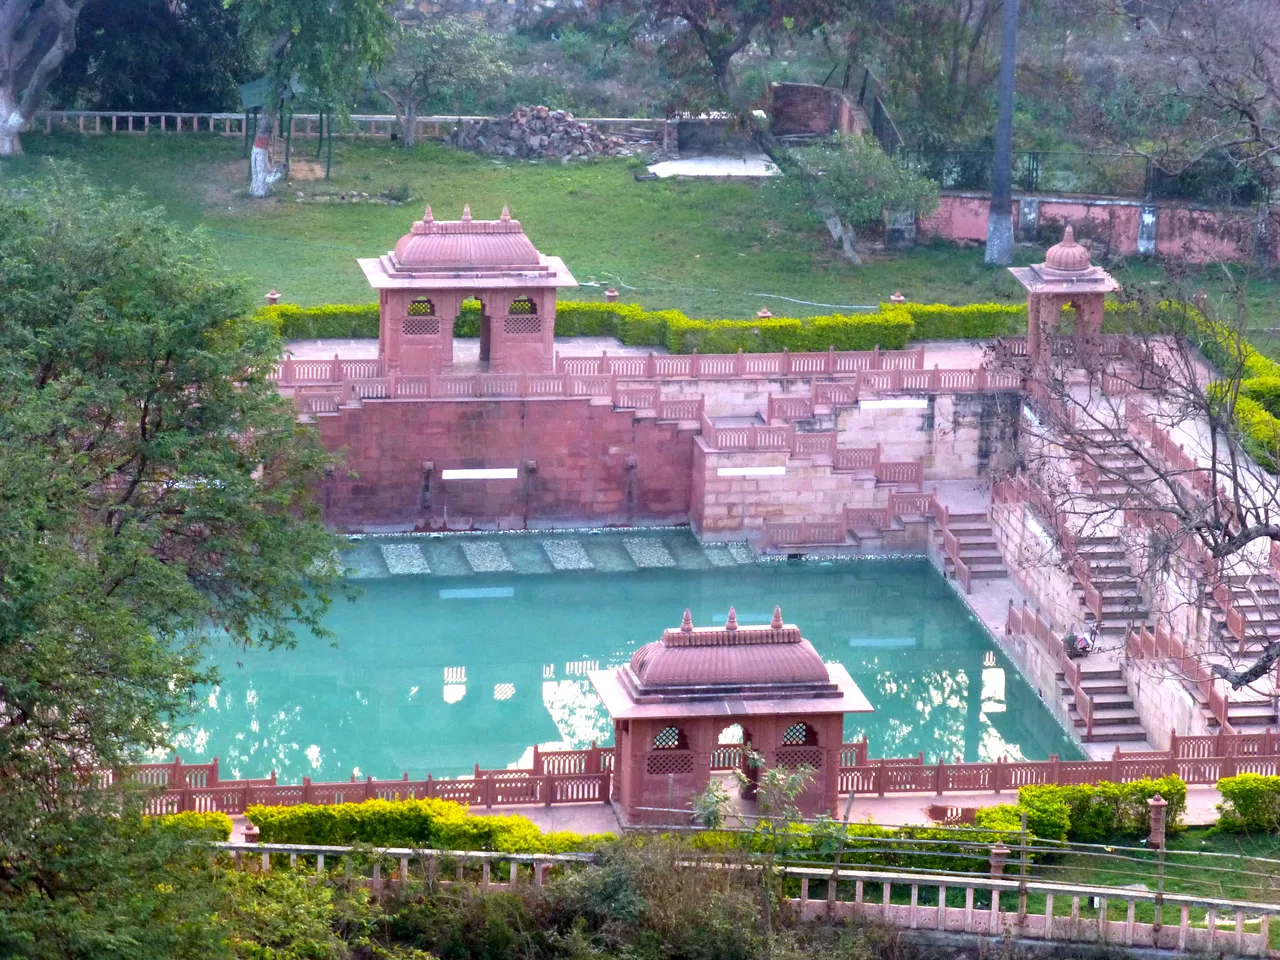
x=1215 y=179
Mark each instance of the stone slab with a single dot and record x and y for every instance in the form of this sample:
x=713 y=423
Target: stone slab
x=404 y=559
x=648 y=552
x=567 y=555
x=485 y=556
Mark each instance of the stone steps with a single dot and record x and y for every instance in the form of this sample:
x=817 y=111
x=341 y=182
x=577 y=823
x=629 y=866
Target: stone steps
x=522 y=554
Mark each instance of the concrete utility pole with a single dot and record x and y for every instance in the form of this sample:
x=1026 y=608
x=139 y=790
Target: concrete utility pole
x=1000 y=219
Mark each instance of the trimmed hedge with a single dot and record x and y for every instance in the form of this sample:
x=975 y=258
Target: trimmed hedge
x=332 y=320
x=975 y=321
x=215 y=826
x=430 y=823
x=1251 y=804
x=633 y=325
x=1257 y=405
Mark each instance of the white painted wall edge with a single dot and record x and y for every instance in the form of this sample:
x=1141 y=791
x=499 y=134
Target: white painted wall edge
x=495 y=473
x=895 y=403
x=751 y=471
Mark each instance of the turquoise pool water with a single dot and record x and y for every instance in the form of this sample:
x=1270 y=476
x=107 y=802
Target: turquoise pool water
x=446 y=667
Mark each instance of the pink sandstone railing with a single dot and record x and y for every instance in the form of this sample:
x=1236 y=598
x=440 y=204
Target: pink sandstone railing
x=1028 y=622
x=830 y=531
x=708 y=366
x=951 y=545
x=1160 y=644
x=859 y=372
x=584 y=776
x=783 y=437
x=653 y=366
x=1201 y=482
x=1021 y=489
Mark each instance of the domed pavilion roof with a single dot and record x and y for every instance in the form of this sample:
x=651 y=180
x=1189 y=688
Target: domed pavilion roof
x=705 y=669
x=466 y=254
x=449 y=244
x=1066 y=270
x=1067 y=255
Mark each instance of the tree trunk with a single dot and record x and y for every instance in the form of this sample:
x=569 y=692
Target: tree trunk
x=1000 y=218
x=846 y=244
x=11 y=122
x=35 y=38
x=262 y=174
x=409 y=124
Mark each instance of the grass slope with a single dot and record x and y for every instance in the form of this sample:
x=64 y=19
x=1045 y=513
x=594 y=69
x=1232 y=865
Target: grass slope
x=712 y=249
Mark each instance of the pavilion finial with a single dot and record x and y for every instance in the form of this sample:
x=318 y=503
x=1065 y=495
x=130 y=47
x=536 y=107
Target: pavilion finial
x=776 y=622
x=506 y=213
x=427 y=217
x=686 y=625
x=732 y=622
x=1068 y=235
x=466 y=213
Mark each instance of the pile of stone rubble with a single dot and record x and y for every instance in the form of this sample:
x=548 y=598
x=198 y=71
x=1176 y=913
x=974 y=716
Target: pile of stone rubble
x=532 y=133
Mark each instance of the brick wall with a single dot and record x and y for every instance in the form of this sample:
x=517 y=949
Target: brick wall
x=580 y=448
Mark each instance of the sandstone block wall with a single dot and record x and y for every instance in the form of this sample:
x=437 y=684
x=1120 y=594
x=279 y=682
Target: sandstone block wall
x=591 y=465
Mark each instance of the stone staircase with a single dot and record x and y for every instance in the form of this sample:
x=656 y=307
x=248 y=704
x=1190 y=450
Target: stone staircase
x=1111 y=575
x=1257 y=599
x=1114 y=717
x=1117 y=461
x=978 y=549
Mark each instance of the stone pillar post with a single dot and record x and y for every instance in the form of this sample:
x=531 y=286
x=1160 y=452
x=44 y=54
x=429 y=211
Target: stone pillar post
x=1157 y=807
x=999 y=854
x=1035 y=334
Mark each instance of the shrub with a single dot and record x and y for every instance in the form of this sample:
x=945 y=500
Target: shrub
x=938 y=321
x=1089 y=813
x=1002 y=816
x=429 y=823
x=1048 y=815
x=1265 y=390
x=215 y=826
x=1251 y=804
x=292 y=322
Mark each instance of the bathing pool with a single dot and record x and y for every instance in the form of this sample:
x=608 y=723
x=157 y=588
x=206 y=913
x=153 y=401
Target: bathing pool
x=466 y=650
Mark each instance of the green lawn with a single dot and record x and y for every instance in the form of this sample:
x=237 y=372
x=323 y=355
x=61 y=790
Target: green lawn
x=711 y=249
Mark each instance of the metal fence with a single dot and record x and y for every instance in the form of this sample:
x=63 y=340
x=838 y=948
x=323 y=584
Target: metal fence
x=1215 y=179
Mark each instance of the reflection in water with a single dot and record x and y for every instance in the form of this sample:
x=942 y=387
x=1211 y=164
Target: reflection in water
x=511 y=671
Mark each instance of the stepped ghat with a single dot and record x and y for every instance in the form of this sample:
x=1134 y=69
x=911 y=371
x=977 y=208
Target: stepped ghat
x=522 y=431
x=852 y=452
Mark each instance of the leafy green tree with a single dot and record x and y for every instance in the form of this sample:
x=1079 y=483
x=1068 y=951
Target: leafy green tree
x=36 y=36
x=154 y=494
x=701 y=38
x=326 y=45
x=849 y=182
x=153 y=54
x=447 y=55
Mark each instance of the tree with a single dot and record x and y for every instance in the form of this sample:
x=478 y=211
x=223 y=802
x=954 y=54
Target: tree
x=850 y=182
x=706 y=35
x=1000 y=210
x=36 y=36
x=431 y=58
x=155 y=493
x=1170 y=461
x=326 y=46
x=153 y=54
x=936 y=58
x=1219 y=61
